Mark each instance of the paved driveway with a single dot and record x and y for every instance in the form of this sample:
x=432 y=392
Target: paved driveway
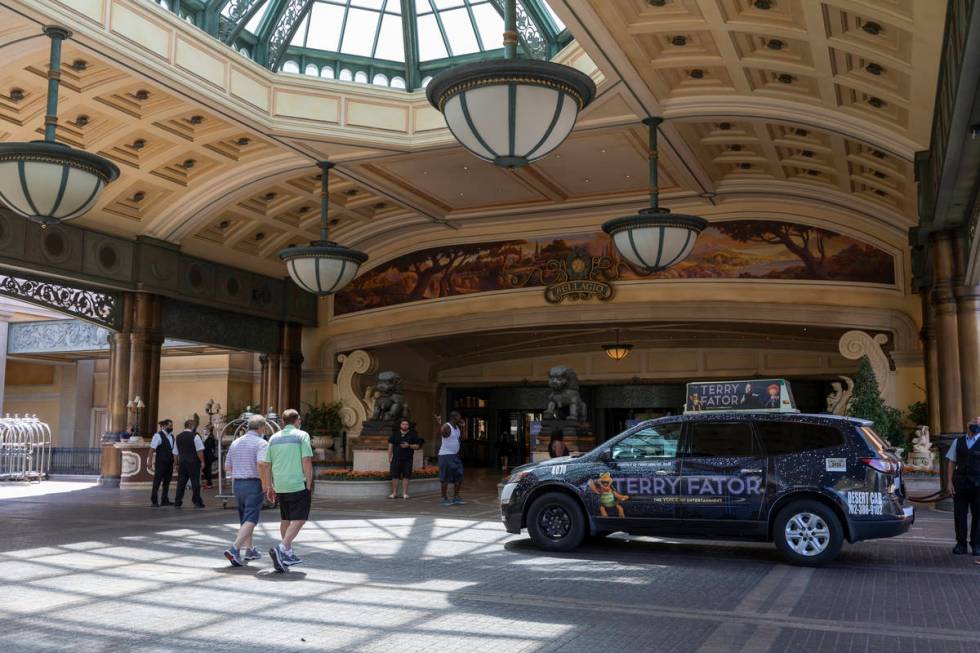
x=90 y=569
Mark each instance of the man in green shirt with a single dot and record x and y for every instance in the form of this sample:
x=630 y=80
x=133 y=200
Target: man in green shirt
x=287 y=473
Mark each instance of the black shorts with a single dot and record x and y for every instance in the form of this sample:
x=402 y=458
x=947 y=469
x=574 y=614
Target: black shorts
x=294 y=506
x=401 y=468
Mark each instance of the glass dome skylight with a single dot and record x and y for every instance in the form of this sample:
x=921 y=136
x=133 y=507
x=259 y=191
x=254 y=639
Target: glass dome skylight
x=397 y=43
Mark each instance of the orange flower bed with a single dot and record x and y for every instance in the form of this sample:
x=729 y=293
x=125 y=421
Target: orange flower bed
x=347 y=474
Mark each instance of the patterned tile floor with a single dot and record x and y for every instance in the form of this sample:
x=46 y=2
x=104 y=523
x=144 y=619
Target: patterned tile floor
x=84 y=568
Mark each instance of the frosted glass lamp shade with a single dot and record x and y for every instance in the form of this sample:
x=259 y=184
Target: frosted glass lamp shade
x=50 y=182
x=323 y=268
x=511 y=112
x=655 y=239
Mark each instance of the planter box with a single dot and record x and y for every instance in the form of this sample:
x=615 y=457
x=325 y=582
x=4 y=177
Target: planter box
x=371 y=489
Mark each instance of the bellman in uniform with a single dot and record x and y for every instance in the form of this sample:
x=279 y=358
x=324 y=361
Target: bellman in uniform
x=963 y=470
x=163 y=451
x=190 y=461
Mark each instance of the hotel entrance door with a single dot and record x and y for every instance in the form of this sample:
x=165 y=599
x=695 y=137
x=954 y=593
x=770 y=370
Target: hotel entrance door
x=522 y=430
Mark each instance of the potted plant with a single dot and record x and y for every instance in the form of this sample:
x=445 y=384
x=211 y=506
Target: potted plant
x=322 y=421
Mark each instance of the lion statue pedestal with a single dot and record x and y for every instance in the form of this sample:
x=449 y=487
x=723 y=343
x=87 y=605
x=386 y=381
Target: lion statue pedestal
x=371 y=448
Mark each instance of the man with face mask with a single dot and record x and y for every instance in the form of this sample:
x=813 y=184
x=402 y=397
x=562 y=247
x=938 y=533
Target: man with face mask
x=963 y=470
x=163 y=452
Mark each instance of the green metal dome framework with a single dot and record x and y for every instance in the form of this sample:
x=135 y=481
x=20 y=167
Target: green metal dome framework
x=396 y=43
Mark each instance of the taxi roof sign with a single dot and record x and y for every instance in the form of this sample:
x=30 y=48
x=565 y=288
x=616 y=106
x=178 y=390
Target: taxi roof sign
x=749 y=395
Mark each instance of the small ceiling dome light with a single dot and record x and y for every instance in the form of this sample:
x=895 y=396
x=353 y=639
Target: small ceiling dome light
x=324 y=267
x=654 y=239
x=618 y=351
x=49 y=182
x=514 y=111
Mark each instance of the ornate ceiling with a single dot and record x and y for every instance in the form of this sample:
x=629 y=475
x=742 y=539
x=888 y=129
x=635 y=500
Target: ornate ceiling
x=805 y=108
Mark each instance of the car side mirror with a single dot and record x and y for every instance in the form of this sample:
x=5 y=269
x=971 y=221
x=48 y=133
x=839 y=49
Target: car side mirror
x=605 y=456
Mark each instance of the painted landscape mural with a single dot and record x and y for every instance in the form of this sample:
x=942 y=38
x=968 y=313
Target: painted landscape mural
x=741 y=249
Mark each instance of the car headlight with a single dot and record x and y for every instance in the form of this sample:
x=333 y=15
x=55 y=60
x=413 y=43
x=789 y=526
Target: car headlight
x=517 y=476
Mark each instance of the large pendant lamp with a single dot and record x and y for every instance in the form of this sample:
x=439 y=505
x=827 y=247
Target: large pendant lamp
x=655 y=239
x=618 y=351
x=514 y=111
x=46 y=181
x=324 y=267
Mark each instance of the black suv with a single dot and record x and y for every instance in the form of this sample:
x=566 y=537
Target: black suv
x=805 y=482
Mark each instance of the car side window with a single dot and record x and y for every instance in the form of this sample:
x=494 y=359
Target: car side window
x=782 y=438
x=721 y=440
x=650 y=443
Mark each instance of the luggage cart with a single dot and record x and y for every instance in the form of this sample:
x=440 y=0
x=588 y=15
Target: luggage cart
x=229 y=432
x=25 y=448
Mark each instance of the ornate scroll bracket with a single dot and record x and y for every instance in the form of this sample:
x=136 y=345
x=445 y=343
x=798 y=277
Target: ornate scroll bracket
x=100 y=307
x=358 y=406
x=855 y=344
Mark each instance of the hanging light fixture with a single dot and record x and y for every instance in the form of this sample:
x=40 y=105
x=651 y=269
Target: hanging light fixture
x=514 y=111
x=618 y=351
x=655 y=239
x=46 y=181
x=324 y=267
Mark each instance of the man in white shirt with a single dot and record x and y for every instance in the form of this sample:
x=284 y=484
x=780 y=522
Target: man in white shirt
x=963 y=472
x=163 y=456
x=450 y=459
x=241 y=466
x=190 y=461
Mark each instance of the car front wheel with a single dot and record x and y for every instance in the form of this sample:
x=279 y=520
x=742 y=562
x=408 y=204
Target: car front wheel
x=808 y=533
x=556 y=522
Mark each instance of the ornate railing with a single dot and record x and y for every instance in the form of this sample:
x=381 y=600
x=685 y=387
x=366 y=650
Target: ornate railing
x=96 y=306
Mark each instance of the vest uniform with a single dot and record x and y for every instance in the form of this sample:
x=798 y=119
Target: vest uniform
x=163 y=469
x=966 y=483
x=188 y=468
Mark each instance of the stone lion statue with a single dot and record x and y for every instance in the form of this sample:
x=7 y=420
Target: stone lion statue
x=840 y=398
x=389 y=404
x=564 y=400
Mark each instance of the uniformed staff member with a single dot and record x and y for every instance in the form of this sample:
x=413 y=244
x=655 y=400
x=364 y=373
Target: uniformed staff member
x=163 y=454
x=190 y=460
x=963 y=472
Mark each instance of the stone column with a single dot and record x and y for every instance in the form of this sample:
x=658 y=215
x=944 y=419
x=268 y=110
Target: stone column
x=144 y=358
x=947 y=335
x=290 y=366
x=269 y=395
x=930 y=358
x=119 y=357
x=3 y=355
x=968 y=326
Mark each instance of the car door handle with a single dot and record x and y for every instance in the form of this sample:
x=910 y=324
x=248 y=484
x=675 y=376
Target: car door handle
x=663 y=472
x=751 y=471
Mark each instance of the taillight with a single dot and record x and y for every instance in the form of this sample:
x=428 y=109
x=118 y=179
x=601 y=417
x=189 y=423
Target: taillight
x=881 y=465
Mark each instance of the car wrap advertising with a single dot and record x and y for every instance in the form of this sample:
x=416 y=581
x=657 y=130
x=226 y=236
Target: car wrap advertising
x=752 y=394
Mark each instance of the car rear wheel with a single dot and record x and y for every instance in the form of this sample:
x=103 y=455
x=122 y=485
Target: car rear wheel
x=556 y=522
x=808 y=533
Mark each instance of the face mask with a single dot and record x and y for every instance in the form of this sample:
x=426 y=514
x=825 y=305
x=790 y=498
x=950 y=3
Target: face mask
x=974 y=429
x=169 y=430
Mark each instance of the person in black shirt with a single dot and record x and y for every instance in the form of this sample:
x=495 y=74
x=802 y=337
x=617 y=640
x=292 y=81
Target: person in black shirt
x=210 y=455
x=557 y=447
x=163 y=453
x=190 y=459
x=402 y=446
x=503 y=450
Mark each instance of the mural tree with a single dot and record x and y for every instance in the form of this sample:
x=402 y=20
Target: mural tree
x=809 y=244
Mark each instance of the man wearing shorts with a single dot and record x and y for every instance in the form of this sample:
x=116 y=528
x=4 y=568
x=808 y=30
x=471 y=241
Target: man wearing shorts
x=401 y=454
x=242 y=467
x=450 y=460
x=287 y=473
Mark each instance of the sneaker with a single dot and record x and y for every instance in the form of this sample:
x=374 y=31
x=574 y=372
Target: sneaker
x=404 y=496
x=458 y=502
x=155 y=504
x=252 y=554
x=959 y=549
x=391 y=496
x=165 y=502
x=446 y=502
x=290 y=559
x=234 y=557
x=277 y=560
